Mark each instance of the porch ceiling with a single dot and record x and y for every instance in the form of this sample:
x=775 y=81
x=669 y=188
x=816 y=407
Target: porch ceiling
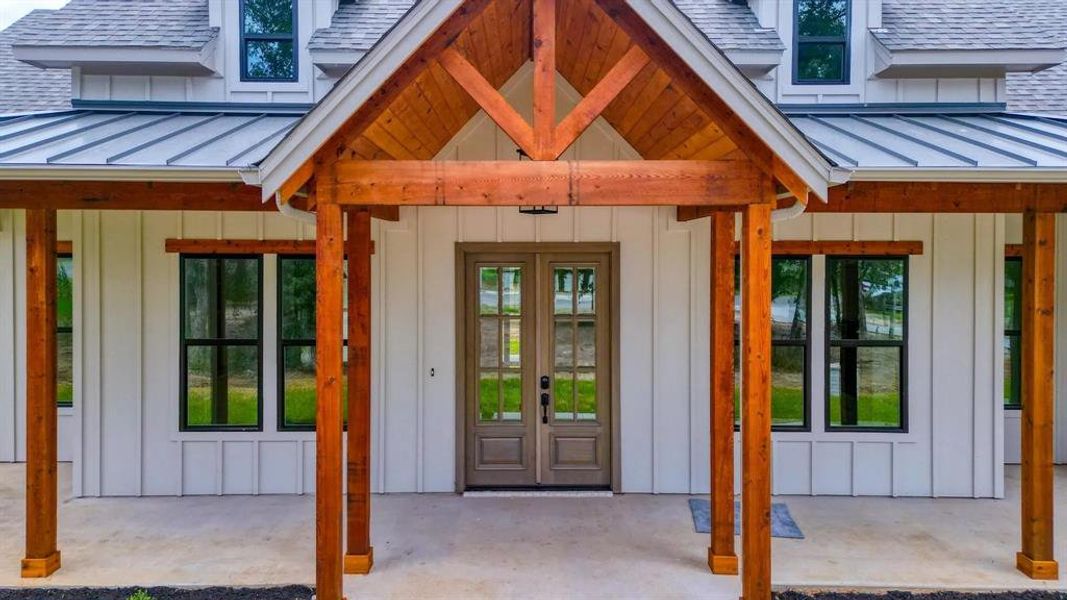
x=656 y=117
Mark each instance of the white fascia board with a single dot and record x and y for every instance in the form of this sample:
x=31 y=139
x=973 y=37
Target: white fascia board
x=962 y=174
x=121 y=173
x=716 y=70
x=121 y=60
x=351 y=92
x=964 y=62
x=744 y=57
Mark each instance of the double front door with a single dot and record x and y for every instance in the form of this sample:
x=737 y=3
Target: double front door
x=537 y=361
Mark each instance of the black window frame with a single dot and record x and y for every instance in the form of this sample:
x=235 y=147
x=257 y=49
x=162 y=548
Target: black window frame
x=806 y=343
x=185 y=343
x=902 y=344
x=846 y=50
x=300 y=342
x=1017 y=334
x=268 y=37
x=63 y=329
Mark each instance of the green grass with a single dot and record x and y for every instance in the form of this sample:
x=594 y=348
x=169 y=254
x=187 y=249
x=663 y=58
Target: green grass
x=512 y=387
x=243 y=407
x=787 y=406
x=65 y=394
x=875 y=410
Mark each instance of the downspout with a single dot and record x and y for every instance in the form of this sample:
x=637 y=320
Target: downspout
x=292 y=212
x=790 y=212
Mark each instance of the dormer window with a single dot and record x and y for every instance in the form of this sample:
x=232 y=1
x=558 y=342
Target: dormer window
x=820 y=41
x=268 y=40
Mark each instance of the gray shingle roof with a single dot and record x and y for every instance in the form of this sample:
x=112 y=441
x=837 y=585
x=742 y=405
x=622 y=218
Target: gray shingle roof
x=131 y=23
x=970 y=25
x=25 y=88
x=1044 y=91
x=359 y=25
x=730 y=25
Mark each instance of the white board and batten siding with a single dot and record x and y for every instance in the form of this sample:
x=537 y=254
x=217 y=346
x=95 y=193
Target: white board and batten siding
x=124 y=435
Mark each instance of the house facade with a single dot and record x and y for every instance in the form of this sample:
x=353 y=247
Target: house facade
x=557 y=343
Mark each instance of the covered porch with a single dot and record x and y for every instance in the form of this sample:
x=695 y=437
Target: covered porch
x=444 y=545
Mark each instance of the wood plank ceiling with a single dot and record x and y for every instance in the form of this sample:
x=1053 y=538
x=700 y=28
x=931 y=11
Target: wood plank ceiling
x=652 y=114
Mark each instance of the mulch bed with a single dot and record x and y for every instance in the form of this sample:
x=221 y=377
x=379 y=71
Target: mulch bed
x=1021 y=595
x=290 y=592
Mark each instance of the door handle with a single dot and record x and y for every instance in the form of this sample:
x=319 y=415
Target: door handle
x=544 y=407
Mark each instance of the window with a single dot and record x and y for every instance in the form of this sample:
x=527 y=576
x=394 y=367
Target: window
x=64 y=330
x=221 y=346
x=296 y=344
x=866 y=315
x=821 y=45
x=790 y=298
x=268 y=40
x=1013 y=305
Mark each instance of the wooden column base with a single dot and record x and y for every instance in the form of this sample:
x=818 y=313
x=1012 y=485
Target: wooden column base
x=359 y=564
x=1037 y=569
x=40 y=567
x=722 y=564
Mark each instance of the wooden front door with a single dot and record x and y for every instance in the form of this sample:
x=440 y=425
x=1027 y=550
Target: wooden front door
x=537 y=356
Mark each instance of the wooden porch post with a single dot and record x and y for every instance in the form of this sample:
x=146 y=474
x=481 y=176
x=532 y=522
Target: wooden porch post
x=722 y=559
x=756 y=396
x=42 y=557
x=329 y=257
x=360 y=555
x=1036 y=559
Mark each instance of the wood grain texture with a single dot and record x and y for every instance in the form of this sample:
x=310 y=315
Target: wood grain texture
x=756 y=397
x=521 y=183
x=943 y=197
x=722 y=557
x=234 y=246
x=544 y=78
x=1036 y=558
x=329 y=279
x=844 y=248
x=64 y=247
x=359 y=554
x=42 y=557
x=131 y=195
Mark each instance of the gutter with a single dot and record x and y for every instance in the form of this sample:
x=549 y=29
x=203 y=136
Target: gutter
x=292 y=212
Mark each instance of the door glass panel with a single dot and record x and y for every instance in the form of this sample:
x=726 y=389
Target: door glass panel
x=512 y=342
x=564 y=347
x=512 y=385
x=488 y=396
x=511 y=290
x=586 y=396
x=490 y=343
x=563 y=290
x=586 y=291
x=564 y=394
x=488 y=296
x=586 y=343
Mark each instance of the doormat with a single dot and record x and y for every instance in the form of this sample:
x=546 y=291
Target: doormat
x=782 y=523
x=538 y=494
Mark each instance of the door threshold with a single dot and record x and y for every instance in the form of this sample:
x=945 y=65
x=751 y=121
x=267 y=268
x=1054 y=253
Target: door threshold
x=538 y=494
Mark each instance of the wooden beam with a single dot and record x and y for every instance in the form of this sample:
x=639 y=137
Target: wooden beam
x=359 y=557
x=329 y=276
x=131 y=195
x=1037 y=559
x=686 y=80
x=722 y=558
x=64 y=247
x=523 y=183
x=844 y=248
x=1013 y=250
x=215 y=246
x=543 y=36
x=491 y=101
x=756 y=397
x=593 y=104
x=296 y=181
x=42 y=557
x=385 y=213
x=943 y=197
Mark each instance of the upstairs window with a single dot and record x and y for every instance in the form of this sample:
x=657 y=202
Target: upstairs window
x=268 y=40
x=64 y=330
x=1013 y=332
x=866 y=308
x=820 y=42
x=790 y=348
x=221 y=348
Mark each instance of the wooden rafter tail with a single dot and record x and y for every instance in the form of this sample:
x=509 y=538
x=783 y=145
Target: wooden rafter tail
x=597 y=100
x=489 y=99
x=544 y=94
x=296 y=181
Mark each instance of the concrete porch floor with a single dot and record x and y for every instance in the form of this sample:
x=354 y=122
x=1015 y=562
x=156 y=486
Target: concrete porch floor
x=443 y=545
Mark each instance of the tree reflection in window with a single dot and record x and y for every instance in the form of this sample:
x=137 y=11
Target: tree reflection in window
x=821 y=45
x=268 y=40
